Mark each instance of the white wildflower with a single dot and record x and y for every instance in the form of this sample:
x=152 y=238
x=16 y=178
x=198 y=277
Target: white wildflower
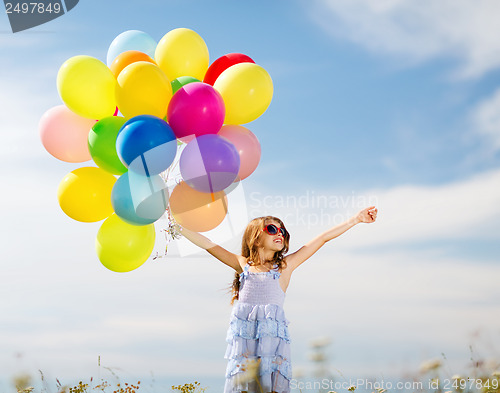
x=430 y=365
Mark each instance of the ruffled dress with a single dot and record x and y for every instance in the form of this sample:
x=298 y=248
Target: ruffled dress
x=258 y=338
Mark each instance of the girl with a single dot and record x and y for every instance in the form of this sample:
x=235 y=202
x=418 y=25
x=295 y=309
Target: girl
x=258 y=338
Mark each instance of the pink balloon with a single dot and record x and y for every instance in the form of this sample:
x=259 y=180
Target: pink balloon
x=64 y=134
x=196 y=108
x=187 y=139
x=246 y=144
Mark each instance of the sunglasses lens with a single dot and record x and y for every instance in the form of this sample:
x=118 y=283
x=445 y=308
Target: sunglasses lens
x=283 y=232
x=271 y=229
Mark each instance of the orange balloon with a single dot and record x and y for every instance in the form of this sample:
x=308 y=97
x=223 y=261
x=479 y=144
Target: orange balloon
x=195 y=210
x=126 y=58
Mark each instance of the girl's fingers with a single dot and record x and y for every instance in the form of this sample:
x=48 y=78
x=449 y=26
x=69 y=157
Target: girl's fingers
x=371 y=213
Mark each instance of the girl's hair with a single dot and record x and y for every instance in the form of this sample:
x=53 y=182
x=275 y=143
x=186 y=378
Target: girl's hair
x=250 y=248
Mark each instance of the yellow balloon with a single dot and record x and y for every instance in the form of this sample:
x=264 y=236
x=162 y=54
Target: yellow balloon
x=182 y=52
x=87 y=87
x=85 y=194
x=122 y=247
x=247 y=90
x=143 y=89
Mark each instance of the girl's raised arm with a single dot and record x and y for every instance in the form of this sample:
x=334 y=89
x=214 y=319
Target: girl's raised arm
x=295 y=259
x=223 y=255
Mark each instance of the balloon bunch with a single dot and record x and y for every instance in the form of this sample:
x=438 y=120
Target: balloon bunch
x=149 y=105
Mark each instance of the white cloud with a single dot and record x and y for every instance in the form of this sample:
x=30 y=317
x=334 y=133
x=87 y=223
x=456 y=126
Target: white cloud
x=419 y=31
x=408 y=214
x=406 y=305
x=485 y=119
x=24 y=99
x=16 y=41
x=457 y=211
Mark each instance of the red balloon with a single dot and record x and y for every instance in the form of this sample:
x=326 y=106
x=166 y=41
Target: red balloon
x=222 y=64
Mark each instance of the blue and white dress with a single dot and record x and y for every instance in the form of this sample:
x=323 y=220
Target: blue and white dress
x=259 y=330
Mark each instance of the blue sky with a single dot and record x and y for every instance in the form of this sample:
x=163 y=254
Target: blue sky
x=390 y=102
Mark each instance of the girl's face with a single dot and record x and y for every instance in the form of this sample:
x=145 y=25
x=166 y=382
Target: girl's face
x=272 y=242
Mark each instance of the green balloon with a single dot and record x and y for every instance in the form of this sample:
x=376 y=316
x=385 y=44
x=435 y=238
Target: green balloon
x=182 y=81
x=102 y=144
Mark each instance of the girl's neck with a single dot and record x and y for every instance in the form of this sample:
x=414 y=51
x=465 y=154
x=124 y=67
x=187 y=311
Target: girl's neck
x=266 y=256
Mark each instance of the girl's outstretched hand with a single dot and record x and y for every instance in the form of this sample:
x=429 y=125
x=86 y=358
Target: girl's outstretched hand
x=367 y=215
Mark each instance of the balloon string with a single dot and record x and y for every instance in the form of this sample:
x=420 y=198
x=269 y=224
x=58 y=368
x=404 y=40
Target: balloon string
x=145 y=165
x=226 y=208
x=150 y=182
x=210 y=183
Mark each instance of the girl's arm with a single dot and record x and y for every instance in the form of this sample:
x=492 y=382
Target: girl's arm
x=304 y=253
x=223 y=255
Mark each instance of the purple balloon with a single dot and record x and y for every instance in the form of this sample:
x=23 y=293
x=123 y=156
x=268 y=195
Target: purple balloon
x=209 y=163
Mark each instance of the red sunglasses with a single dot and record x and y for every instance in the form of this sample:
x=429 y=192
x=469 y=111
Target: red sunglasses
x=272 y=230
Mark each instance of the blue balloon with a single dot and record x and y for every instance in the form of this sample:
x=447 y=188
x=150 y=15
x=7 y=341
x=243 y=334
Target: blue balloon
x=139 y=200
x=146 y=145
x=131 y=40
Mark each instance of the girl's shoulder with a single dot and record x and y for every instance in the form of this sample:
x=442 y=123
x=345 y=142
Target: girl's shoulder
x=243 y=262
